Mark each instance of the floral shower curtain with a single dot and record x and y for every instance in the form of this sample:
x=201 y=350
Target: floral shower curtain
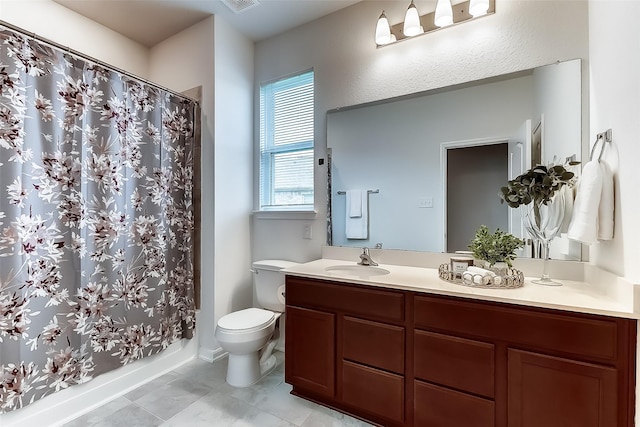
x=96 y=220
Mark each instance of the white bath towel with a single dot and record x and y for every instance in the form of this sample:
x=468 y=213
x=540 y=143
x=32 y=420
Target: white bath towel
x=584 y=221
x=354 y=201
x=357 y=227
x=607 y=202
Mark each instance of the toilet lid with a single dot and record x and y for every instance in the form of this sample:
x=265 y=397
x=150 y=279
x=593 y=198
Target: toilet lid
x=250 y=318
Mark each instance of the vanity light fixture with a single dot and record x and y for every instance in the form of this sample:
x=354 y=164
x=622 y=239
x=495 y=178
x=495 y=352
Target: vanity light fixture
x=447 y=13
x=412 y=25
x=444 y=13
x=478 y=7
x=383 y=31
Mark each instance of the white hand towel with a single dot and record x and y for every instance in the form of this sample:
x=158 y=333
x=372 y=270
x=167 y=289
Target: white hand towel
x=482 y=271
x=354 y=203
x=357 y=227
x=584 y=221
x=478 y=279
x=607 y=202
x=568 y=207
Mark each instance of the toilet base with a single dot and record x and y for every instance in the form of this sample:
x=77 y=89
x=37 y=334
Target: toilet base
x=267 y=366
x=245 y=370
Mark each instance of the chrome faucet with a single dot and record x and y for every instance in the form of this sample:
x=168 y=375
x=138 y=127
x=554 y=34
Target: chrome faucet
x=365 y=258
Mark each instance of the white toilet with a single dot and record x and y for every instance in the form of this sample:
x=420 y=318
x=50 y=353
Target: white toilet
x=250 y=335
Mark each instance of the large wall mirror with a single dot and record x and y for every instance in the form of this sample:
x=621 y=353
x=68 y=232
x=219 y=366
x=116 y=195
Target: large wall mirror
x=434 y=162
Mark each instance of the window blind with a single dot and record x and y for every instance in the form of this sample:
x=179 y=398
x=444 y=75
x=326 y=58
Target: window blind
x=286 y=143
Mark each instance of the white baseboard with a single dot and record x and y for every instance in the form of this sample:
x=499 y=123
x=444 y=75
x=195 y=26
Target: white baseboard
x=209 y=355
x=63 y=406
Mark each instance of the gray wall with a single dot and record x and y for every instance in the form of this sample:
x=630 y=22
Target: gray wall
x=349 y=70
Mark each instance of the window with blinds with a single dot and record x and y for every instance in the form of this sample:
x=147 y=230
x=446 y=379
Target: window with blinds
x=286 y=143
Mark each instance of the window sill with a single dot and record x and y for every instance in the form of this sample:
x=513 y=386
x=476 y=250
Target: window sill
x=286 y=214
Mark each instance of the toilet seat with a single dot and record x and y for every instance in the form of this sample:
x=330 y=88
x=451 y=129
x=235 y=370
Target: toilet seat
x=246 y=321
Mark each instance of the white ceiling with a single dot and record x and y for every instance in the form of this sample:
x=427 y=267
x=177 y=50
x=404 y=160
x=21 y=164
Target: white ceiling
x=152 y=21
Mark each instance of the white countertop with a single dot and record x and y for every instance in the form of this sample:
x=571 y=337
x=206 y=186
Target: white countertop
x=615 y=298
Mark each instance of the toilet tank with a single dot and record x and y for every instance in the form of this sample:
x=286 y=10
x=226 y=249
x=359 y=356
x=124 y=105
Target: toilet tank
x=268 y=281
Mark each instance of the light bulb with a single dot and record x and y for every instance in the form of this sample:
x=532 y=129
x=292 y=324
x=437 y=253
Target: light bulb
x=412 y=25
x=444 y=13
x=478 y=7
x=383 y=31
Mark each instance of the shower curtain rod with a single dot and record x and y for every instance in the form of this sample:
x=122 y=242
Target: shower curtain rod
x=91 y=59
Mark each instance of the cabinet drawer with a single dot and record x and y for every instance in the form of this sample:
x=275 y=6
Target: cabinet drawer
x=578 y=334
x=455 y=362
x=439 y=407
x=367 y=302
x=377 y=392
x=372 y=343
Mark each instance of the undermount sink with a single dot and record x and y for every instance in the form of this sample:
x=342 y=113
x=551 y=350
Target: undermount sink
x=362 y=271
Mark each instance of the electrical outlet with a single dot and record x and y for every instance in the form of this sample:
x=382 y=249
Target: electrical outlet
x=426 y=202
x=307 y=232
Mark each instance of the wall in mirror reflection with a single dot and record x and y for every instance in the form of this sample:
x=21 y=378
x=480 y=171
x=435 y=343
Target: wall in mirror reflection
x=397 y=147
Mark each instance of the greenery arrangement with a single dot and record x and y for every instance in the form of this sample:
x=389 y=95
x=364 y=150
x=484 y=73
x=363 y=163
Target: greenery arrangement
x=495 y=247
x=538 y=184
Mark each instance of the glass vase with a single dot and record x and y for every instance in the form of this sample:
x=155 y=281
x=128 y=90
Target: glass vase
x=544 y=222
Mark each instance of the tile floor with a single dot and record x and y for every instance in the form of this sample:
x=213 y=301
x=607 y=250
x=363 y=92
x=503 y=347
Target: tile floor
x=196 y=394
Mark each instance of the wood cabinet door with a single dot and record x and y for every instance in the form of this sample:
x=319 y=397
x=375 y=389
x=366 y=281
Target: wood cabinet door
x=310 y=350
x=554 y=392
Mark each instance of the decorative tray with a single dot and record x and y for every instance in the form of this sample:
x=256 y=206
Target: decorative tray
x=508 y=278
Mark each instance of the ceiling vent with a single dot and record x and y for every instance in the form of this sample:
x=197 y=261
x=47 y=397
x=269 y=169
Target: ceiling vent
x=238 y=6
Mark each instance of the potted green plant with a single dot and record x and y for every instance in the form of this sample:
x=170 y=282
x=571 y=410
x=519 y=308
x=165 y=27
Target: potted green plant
x=495 y=248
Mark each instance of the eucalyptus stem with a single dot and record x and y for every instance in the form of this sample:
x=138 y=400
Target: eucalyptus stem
x=536 y=214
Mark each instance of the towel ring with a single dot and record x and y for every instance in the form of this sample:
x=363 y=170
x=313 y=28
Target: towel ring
x=600 y=138
x=603 y=137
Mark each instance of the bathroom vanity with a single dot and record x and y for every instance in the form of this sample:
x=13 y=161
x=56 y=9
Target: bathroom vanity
x=407 y=349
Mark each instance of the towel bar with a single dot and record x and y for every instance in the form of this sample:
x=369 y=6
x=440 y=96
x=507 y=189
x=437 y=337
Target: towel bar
x=368 y=191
